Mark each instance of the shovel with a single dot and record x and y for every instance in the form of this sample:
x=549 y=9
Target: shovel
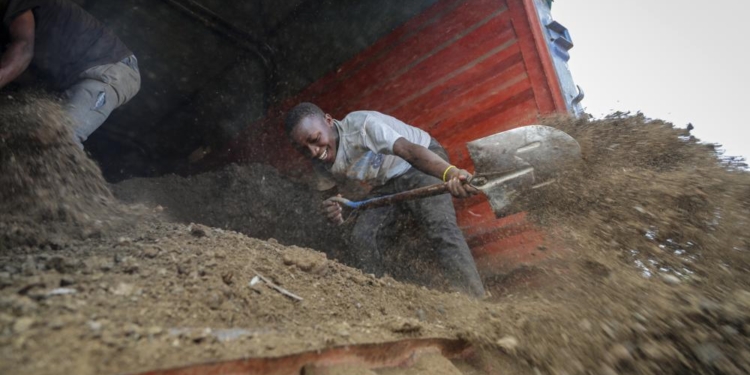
x=507 y=165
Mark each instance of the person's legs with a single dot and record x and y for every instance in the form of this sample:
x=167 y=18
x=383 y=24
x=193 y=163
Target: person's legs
x=88 y=106
x=437 y=217
x=100 y=90
x=366 y=254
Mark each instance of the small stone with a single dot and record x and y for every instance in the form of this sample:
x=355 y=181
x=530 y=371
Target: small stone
x=728 y=330
x=343 y=329
x=214 y=300
x=508 y=344
x=707 y=353
x=133 y=330
x=619 y=354
x=29 y=267
x=56 y=323
x=495 y=313
x=129 y=265
x=23 y=324
x=287 y=259
x=709 y=307
x=202 y=271
x=151 y=252
x=608 y=330
x=124 y=241
x=406 y=326
x=60 y=264
x=670 y=279
x=183 y=269
x=123 y=289
x=227 y=278
x=98 y=264
x=639 y=317
x=201 y=336
x=254 y=280
x=61 y=291
x=640 y=328
x=652 y=351
x=197 y=230
x=94 y=325
x=421 y=315
x=585 y=325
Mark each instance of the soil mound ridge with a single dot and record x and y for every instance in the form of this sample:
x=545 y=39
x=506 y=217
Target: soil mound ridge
x=49 y=188
x=653 y=277
x=252 y=199
x=657 y=277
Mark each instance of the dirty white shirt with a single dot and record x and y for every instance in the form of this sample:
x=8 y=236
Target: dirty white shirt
x=365 y=151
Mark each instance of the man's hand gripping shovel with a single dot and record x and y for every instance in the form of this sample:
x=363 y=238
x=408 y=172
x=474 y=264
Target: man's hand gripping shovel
x=507 y=166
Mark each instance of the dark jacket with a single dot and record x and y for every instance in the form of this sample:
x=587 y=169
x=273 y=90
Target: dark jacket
x=67 y=40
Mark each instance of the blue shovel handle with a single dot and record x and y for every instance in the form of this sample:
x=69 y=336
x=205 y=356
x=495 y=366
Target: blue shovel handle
x=387 y=200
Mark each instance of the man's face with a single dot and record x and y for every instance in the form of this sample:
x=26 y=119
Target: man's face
x=315 y=137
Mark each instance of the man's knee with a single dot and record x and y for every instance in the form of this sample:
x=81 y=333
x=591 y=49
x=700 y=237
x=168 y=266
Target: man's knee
x=89 y=102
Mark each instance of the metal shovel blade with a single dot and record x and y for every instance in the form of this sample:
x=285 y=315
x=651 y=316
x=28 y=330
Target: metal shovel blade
x=509 y=164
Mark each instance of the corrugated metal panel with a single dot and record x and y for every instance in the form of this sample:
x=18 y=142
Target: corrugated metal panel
x=462 y=70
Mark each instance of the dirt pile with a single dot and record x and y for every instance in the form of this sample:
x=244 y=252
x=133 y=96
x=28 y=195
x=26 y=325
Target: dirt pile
x=657 y=279
x=148 y=293
x=252 y=199
x=167 y=295
x=258 y=201
x=49 y=189
x=653 y=196
x=654 y=279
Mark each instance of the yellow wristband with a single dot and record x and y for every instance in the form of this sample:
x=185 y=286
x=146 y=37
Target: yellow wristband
x=446 y=171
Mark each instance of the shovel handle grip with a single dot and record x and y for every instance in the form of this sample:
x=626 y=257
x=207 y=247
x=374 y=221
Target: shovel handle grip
x=423 y=192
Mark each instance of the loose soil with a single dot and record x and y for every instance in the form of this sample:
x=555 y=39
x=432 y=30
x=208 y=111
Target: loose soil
x=654 y=281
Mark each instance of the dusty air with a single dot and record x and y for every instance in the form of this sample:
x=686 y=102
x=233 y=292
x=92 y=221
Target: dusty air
x=382 y=187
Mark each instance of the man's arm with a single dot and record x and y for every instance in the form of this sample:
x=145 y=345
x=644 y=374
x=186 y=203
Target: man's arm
x=19 y=52
x=429 y=162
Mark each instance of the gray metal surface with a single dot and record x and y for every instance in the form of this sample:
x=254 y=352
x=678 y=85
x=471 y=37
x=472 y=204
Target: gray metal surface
x=559 y=43
x=516 y=161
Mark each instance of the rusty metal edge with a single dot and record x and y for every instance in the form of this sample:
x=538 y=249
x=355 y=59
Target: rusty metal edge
x=379 y=355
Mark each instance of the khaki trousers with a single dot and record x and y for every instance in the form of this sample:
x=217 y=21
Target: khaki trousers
x=98 y=92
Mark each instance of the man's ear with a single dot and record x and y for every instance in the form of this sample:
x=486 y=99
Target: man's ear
x=329 y=120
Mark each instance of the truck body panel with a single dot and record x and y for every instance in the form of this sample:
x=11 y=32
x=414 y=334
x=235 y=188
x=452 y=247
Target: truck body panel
x=461 y=70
